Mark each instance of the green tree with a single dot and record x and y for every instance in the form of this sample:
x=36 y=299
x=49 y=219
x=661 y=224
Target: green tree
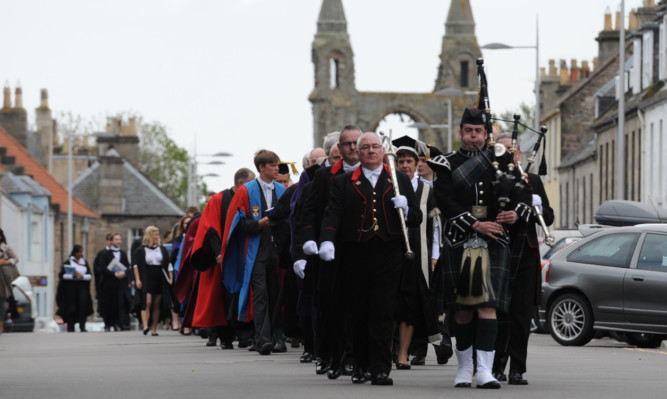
x=160 y=158
x=164 y=162
x=527 y=113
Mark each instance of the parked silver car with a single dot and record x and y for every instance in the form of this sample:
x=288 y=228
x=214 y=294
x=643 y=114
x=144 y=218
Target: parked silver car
x=612 y=280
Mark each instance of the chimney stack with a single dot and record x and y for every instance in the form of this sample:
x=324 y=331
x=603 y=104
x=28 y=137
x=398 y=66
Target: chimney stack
x=552 y=67
x=617 y=22
x=15 y=120
x=45 y=134
x=564 y=75
x=132 y=128
x=585 y=70
x=18 y=97
x=7 y=104
x=608 y=38
x=574 y=70
x=632 y=20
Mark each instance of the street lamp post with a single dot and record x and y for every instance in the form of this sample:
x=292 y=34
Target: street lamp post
x=191 y=196
x=502 y=46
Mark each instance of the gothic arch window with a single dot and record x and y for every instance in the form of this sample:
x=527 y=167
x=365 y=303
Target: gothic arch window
x=333 y=73
x=336 y=62
x=399 y=123
x=465 y=72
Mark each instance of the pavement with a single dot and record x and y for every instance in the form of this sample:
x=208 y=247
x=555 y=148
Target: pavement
x=130 y=365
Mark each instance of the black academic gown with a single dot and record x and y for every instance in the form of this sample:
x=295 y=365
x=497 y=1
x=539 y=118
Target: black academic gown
x=114 y=297
x=73 y=298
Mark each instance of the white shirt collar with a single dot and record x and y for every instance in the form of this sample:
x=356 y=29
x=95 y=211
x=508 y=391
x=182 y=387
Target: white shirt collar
x=265 y=185
x=350 y=168
x=415 y=182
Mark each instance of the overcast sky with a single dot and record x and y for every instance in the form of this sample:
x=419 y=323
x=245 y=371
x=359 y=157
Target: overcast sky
x=236 y=74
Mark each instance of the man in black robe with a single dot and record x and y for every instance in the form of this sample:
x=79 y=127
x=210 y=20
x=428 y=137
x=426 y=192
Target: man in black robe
x=363 y=222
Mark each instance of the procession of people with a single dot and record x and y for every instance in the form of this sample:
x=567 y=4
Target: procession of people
x=380 y=249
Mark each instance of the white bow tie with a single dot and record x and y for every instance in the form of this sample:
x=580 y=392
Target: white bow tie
x=268 y=185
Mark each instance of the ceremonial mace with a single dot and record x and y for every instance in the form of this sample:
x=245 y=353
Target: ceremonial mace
x=391 y=156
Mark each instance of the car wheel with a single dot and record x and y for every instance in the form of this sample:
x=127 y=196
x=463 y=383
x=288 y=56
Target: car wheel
x=644 y=340
x=571 y=320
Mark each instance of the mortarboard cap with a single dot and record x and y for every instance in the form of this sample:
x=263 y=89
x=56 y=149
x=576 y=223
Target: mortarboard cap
x=284 y=168
x=419 y=147
x=472 y=116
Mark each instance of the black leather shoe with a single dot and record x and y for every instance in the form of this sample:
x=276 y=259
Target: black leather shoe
x=210 y=343
x=382 y=379
x=280 y=347
x=515 y=378
x=334 y=372
x=348 y=368
x=490 y=385
x=245 y=343
x=321 y=366
x=306 y=358
x=443 y=352
x=402 y=366
x=359 y=377
x=418 y=361
x=226 y=345
x=266 y=349
x=500 y=376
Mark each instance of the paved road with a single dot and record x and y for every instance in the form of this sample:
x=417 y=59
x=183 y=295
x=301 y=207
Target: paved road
x=129 y=365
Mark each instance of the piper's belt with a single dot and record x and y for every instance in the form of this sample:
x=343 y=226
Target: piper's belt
x=479 y=211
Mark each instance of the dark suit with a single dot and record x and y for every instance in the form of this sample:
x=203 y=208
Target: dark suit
x=514 y=327
x=321 y=277
x=366 y=228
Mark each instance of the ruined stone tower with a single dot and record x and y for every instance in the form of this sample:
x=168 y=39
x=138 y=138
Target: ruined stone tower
x=336 y=101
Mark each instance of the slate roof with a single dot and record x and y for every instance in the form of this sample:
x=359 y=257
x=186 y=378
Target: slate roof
x=580 y=154
x=13 y=184
x=141 y=196
x=33 y=169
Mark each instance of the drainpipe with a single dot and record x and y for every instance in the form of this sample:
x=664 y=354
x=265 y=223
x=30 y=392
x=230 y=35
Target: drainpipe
x=640 y=116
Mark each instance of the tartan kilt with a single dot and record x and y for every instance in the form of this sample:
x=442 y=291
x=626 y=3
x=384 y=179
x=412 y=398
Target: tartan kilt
x=499 y=257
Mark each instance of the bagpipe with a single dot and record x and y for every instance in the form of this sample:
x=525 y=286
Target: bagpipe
x=506 y=182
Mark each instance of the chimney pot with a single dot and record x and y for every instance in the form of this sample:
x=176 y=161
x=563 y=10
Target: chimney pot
x=18 y=96
x=607 y=19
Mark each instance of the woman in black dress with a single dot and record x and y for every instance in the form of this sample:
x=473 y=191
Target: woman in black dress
x=73 y=294
x=152 y=273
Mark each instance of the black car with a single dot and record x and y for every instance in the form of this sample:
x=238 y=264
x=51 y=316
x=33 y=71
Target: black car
x=613 y=280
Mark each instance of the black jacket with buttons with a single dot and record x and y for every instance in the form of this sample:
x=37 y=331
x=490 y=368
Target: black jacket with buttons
x=357 y=211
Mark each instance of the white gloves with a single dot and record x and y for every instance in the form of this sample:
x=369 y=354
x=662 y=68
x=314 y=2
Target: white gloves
x=537 y=201
x=327 y=251
x=401 y=202
x=299 y=267
x=310 y=247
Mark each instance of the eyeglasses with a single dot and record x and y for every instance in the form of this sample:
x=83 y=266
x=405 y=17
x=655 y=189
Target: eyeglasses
x=367 y=147
x=348 y=143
